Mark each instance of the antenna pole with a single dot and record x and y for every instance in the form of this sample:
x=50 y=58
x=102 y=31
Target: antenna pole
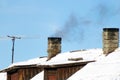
x=13 y=41
x=13 y=44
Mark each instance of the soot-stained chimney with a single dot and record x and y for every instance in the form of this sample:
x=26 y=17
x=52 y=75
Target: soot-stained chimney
x=54 y=46
x=110 y=40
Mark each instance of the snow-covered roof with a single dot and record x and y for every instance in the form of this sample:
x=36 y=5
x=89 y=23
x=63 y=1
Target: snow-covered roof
x=3 y=76
x=86 y=55
x=30 y=62
x=39 y=76
x=106 y=68
x=63 y=58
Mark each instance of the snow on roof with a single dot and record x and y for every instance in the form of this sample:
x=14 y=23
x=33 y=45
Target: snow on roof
x=30 y=62
x=108 y=68
x=87 y=55
x=63 y=58
x=3 y=76
x=39 y=76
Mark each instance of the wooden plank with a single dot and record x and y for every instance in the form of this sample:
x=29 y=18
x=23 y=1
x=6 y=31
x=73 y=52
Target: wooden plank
x=20 y=74
x=14 y=76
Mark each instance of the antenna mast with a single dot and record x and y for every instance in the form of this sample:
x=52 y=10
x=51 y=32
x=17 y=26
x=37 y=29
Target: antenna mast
x=13 y=43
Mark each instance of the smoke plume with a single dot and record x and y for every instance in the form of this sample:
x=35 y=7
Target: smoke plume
x=73 y=28
x=106 y=12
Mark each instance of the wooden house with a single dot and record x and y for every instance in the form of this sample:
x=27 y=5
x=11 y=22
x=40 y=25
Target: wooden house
x=62 y=66
x=24 y=70
x=62 y=71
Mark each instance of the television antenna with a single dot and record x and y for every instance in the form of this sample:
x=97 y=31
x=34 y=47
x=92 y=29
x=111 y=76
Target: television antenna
x=13 y=38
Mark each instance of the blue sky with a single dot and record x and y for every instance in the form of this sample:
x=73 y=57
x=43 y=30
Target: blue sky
x=78 y=22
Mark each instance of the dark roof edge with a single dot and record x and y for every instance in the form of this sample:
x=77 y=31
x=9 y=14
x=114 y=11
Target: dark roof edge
x=67 y=64
x=46 y=66
x=18 y=67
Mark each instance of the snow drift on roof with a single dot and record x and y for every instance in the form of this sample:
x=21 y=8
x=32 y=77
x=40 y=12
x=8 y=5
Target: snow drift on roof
x=107 y=68
x=39 y=76
x=87 y=55
x=30 y=62
x=62 y=58
x=3 y=76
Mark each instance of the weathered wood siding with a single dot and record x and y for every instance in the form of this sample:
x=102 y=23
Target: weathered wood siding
x=23 y=74
x=61 y=73
x=14 y=76
x=64 y=73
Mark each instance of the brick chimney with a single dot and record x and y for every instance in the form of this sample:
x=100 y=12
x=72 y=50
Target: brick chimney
x=54 y=46
x=110 y=40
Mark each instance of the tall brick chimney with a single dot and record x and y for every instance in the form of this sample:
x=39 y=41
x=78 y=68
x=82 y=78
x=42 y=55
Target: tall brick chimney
x=54 y=46
x=110 y=40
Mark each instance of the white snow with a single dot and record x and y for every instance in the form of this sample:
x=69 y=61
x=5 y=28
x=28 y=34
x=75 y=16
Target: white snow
x=39 y=76
x=62 y=58
x=3 y=76
x=87 y=55
x=106 y=68
x=30 y=62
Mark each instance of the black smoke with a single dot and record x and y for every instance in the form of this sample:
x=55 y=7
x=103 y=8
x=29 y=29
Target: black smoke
x=76 y=26
x=106 y=12
x=73 y=28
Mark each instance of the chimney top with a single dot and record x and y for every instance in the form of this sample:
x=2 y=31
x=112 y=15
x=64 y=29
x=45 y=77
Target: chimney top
x=54 y=38
x=54 y=46
x=110 y=40
x=111 y=29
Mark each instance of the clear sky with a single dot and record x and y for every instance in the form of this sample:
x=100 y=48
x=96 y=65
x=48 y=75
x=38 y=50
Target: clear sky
x=78 y=22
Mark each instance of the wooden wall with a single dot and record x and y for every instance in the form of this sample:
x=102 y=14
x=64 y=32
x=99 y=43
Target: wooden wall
x=23 y=73
x=61 y=73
